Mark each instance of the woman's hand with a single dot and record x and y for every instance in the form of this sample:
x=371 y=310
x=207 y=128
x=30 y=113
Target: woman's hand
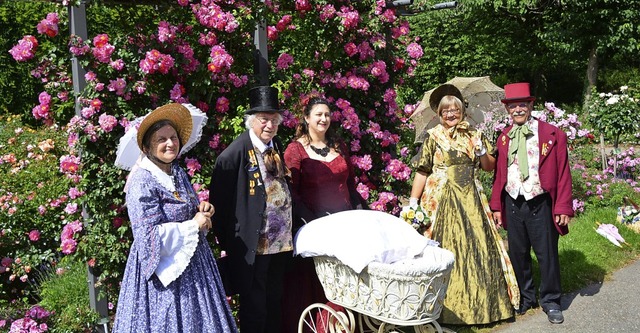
x=413 y=202
x=206 y=208
x=203 y=220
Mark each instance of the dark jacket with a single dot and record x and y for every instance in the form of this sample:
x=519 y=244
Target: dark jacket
x=238 y=212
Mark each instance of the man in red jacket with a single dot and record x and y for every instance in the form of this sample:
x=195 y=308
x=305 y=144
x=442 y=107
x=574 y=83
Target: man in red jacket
x=532 y=198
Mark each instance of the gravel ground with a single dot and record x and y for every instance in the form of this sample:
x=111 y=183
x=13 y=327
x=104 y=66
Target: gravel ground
x=611 y=306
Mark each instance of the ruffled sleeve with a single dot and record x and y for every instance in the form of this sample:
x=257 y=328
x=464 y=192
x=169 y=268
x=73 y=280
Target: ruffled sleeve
x=162 y=244
x=178 y=244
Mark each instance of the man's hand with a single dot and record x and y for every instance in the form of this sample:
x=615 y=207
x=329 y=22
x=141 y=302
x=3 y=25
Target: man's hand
x=563 y=220
x=497 y=218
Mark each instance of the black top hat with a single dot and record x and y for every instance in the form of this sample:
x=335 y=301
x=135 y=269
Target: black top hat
x=263 y=99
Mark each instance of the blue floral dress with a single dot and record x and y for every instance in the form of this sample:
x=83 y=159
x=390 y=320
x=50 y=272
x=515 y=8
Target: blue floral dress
x=171 y=282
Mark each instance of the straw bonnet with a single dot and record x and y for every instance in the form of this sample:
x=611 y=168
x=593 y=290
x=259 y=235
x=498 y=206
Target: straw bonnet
x=517 y=92
x=263 y=99
x=441 y=91
x=174 y=112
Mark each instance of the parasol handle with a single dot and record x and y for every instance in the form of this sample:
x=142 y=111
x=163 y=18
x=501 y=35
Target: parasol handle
x=629 y=202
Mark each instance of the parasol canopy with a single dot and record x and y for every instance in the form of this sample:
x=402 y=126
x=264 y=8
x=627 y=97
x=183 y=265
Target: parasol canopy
x=128 y=152
x=610 y=232
x=478 y=94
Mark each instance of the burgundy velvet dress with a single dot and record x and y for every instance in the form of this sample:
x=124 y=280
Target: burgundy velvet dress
x=318 y=188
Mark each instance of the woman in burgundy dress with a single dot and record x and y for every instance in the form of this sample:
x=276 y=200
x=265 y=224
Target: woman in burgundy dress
x=323 y=182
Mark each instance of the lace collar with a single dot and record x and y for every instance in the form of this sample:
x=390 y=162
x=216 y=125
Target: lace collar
x=165 y=180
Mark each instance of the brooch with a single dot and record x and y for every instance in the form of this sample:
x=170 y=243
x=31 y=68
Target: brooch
x=545 y=148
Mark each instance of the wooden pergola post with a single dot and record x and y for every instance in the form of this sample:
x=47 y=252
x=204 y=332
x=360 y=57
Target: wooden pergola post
x=261 y=57
x=78 y=27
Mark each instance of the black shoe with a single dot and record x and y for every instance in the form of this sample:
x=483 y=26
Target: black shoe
x=524 y=308
x=555 y=316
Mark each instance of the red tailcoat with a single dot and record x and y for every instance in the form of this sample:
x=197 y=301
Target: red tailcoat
x=555 y=174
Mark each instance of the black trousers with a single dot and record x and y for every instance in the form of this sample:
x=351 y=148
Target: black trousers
x=530 y=224
x=260 y=304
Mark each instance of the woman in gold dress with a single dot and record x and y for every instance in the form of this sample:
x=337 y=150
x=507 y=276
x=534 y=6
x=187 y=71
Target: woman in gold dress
x=482 y=288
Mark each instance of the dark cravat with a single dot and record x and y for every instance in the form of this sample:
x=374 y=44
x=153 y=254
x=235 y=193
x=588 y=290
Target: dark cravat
x=273 y=163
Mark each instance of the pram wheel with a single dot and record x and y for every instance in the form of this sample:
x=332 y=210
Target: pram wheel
x=368 y=324
x=432 y=327
x=321 y=318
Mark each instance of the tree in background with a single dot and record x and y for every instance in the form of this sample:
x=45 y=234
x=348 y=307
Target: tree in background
x=558 y=46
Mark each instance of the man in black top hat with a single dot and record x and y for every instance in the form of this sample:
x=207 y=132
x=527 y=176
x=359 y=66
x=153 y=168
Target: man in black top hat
x=249 y=189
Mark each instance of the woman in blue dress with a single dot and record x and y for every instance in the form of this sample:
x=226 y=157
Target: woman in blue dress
x=171 y=282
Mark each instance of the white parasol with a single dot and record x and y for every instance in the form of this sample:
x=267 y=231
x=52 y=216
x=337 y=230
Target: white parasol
x=610 y=232
x=128 y=151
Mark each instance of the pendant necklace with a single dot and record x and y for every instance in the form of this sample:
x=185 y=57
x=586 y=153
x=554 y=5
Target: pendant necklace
x=321 y=151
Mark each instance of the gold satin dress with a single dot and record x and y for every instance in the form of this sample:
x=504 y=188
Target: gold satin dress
x=483 y=287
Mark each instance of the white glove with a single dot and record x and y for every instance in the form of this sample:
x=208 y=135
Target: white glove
x=413 y=202
x=480 y=150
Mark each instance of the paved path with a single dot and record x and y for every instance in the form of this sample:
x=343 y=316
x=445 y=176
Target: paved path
x=611 y=306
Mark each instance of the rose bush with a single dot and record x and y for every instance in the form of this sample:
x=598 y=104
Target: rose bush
x=355 y=53
x=35 y=203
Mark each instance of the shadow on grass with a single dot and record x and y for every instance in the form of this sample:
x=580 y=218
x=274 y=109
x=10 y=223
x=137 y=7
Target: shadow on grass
x=592 y=274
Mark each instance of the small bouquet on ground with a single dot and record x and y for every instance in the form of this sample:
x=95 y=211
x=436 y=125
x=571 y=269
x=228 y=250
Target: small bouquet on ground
x=417 y=218
x=629 y=214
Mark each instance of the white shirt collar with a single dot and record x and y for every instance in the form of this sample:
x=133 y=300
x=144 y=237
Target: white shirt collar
x=258 y=143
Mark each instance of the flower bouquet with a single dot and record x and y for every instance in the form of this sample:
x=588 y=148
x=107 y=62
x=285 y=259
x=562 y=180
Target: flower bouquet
x=629 y=214
x=418 y=219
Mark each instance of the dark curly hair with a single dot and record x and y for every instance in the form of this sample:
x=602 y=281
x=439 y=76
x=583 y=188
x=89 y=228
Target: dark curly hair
x=302 y=130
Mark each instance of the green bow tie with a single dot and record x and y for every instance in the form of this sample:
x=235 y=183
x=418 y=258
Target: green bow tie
x=518 y=136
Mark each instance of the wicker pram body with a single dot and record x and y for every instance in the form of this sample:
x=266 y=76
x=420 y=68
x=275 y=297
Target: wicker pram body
x=410 y=292
x=378 y=269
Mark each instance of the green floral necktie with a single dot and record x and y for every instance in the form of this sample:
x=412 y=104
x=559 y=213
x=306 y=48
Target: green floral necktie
x=518 y=136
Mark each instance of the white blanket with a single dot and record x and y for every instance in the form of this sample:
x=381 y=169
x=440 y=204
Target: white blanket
x=358 y=237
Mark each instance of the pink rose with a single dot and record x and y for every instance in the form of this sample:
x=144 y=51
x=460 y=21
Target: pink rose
x=34 y=235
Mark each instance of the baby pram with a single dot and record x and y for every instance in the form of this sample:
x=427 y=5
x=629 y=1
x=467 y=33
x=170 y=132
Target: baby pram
x=380 y=271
